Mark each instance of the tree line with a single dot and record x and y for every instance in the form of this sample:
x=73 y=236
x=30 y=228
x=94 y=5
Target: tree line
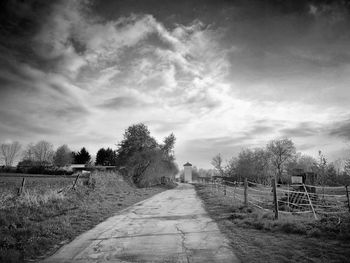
x=138 y=155
x=279 y=159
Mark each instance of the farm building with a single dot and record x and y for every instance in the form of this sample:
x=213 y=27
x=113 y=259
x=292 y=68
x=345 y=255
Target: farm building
x=301 y=177
x=81 y=167
x=188 y=172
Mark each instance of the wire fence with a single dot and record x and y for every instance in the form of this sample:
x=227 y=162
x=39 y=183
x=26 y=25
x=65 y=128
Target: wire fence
x=287 y=199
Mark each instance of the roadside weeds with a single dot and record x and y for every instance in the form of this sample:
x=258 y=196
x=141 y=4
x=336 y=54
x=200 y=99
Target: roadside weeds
x=40 y=221
x=256 y=237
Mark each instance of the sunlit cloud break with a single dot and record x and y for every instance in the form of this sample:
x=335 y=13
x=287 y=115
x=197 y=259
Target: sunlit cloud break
x=220 y=77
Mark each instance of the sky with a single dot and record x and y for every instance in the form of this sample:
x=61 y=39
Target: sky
x=221 y=75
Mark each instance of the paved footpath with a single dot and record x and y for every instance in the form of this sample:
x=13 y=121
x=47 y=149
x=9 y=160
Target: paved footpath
x=169 y=227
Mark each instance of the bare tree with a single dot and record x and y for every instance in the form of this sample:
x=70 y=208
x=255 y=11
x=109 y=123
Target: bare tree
x=307 y=163
x=217 y=163
x=28 y=153
x=41 y=152
x=9 y=152
x=261 y=165
x=231 y=168
x=322 y=167
x=281 y=152
x=347 y=166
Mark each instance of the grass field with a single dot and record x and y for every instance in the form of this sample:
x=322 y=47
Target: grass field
x=41 y=220
x=256 y=237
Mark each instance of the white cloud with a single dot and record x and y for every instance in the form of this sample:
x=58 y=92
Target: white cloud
x=107 y=75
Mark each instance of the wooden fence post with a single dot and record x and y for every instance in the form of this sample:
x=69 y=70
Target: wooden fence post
x=245 y=192
x=347 y=196
x=234 y=191
x=312 y=207
x=288 y=199
x=275 y=201
x=20 y=190
x=75 y=182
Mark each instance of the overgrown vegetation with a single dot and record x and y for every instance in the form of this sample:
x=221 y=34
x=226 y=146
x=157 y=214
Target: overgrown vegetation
x=139 y=156
x=258 y=237
x=44 y=218
x=279 y=159
x=143 y=159
x=329 y=226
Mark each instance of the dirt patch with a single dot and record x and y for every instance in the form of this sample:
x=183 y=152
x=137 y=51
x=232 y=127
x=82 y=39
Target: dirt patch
x=253 y=245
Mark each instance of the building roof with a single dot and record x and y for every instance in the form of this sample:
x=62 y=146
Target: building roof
x=187 y=164
x=77 y=166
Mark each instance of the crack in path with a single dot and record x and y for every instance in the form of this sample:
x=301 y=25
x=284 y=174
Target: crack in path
x=183 y=242
x=172 y=226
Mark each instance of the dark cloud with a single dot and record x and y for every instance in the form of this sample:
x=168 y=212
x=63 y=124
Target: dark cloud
x=341 y=129
x=20 y=21
x=18 y=123
x=123 y=102
x=259 y=128
x=189 y=57
x=218 y=142
x=303 y=129
x=202 y=101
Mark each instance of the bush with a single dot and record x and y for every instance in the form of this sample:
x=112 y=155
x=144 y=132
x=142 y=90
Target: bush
x=7 y=169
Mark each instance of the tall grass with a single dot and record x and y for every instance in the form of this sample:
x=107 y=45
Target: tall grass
x=333 y=226
x=34 y=198
x=5 y=198
x=29 y=197
x=42 y=217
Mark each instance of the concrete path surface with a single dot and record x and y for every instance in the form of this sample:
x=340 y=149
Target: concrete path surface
x=169 y=227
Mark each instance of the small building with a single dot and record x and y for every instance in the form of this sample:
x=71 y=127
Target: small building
x=299 y=176
x=76 y=167
x=188 y=172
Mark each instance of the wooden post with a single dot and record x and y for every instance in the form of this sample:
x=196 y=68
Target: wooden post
x=288 y=199
x=312 y=207
x=20 y=190
x=347 y=196
x=323 y=192
x=234 y=191
x=245 y=192
x=76 y=180
x=275 y=201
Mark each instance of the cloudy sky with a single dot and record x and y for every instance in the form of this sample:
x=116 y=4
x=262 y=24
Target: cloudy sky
x=220 y=75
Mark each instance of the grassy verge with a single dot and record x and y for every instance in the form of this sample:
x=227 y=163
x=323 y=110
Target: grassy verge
x=41 y=220
x=256 y=237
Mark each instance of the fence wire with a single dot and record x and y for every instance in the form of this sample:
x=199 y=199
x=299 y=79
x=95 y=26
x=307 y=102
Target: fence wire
x=294 y=199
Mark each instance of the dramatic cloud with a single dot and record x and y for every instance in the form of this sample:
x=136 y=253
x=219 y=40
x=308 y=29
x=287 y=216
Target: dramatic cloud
x=220 y=75
x=341 y=129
